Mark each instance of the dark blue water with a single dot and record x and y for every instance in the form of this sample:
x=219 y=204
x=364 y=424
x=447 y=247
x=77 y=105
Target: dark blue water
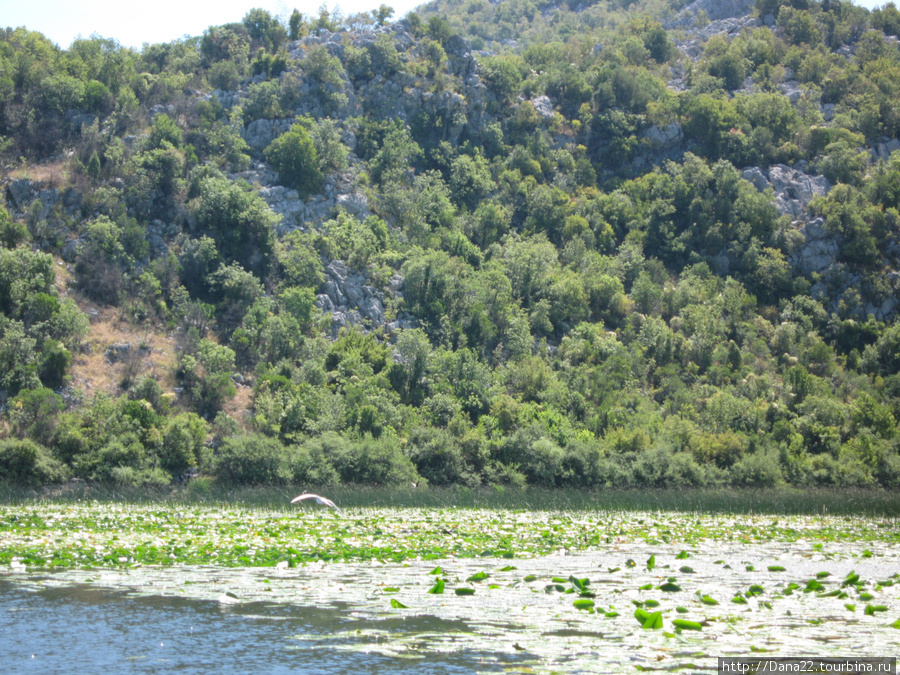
x=86 y=629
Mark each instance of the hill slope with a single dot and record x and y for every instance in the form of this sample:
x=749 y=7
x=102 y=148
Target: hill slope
x=488 y=243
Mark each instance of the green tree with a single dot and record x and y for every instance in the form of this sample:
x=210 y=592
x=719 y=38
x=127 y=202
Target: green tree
x=239 y=221
x=296 y=25
x=293 y=155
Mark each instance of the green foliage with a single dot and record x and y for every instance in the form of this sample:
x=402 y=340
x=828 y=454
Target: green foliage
x=293 y=155
x=206 y=376
x=24 y=462
x=252 y=459
x=239 y=221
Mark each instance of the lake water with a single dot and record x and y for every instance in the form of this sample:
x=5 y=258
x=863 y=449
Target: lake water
x=82 y=628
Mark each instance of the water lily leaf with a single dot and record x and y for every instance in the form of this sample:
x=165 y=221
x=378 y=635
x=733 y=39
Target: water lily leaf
x=549 y=588
x=465 y=591
x=822 y=575
x=583 y=603
x=651 y=603
x=669 y=587
x=684 y=624
x=776 y=568
x=509 y=568
x=866 y=596
x=755 y=589
x=437 y=570
x=867 y=554
x=612 y=614
x=896 y=624
x=651 y=562
x=850 y=607
x=580 y=584
x=613 y=569
x=686 y=570
x=530 y=577
x=395 y=603
x=390 y=589
x=813 y=585
x=654 y=621
x=645 y=587
x=682 y=555
x=871 y=609
x=478 y=576
x=851 y=579
x=641 y=615
x=739 y=600
x=708 y=600
x=438 y=587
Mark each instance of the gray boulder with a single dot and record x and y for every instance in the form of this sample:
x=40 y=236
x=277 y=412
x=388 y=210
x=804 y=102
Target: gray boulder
x=20 y=193
x=260 y=133
x=794 y=189
x=819 y=250
x=543 y=105
x=349 y=299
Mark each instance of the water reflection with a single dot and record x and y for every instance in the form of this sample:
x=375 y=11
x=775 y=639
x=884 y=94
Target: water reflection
x=88 y=629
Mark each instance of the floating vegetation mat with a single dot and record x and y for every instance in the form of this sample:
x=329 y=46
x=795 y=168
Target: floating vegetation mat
x=536 y=591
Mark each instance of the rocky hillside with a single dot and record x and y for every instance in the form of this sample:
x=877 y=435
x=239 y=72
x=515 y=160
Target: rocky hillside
x=502 y=242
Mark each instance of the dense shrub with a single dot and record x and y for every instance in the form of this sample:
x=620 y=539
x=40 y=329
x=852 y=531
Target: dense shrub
x=374 y=461
x=252 y=459
x=24 y=462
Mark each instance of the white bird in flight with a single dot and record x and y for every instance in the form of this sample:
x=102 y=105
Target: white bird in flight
x=324 y=501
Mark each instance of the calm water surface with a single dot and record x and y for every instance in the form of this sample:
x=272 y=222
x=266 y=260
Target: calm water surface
x=86 y=629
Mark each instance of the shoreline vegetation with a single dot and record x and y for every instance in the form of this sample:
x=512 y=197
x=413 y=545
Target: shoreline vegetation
x=727 y=500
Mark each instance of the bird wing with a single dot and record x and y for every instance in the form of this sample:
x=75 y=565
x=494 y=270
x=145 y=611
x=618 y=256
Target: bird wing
x=324 y=501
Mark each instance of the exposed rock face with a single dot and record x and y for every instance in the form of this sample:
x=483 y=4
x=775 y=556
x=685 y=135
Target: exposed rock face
x=725 y=17
x=349 y=299
x=884 y=148
x=715 y=10
x=793 y=188
x=259 y=133
x=339 y=192
x=20 y=193
x=820 y=250
x=663 y=138
x=544 y=106
x=23 y=192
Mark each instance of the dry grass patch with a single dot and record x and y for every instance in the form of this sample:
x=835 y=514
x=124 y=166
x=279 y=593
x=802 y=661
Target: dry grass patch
x=52 y=174
x=98 y=368
x=240 y=406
